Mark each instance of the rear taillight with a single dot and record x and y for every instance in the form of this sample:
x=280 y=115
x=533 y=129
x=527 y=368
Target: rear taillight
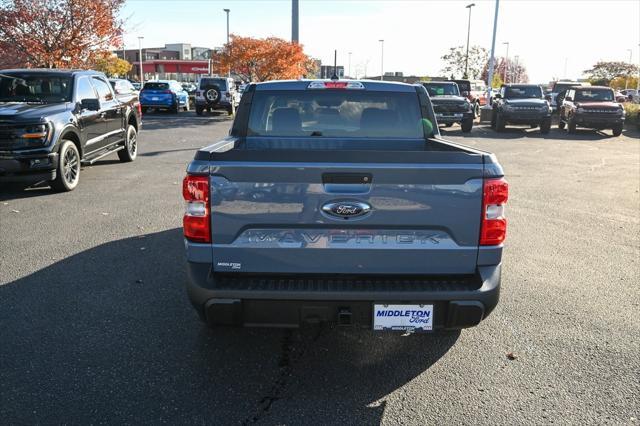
x=196 y=223
x=139 y=109
x=493 y=230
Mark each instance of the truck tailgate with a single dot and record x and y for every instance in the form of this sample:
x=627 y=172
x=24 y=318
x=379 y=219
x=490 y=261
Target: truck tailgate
x=373 y=218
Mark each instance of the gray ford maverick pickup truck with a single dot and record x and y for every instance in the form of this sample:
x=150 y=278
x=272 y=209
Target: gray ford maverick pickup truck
x=338 y=202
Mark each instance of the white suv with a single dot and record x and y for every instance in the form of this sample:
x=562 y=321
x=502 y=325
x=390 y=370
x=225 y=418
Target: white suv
x=215 y=93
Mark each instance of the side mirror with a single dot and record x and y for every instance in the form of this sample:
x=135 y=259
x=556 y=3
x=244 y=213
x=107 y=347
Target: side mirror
x=90 y=104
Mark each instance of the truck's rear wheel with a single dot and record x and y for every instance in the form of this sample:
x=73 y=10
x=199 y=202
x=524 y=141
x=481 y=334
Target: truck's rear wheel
x=476 y=109
x=561 y=124
x=130 y=151
x=68 y=172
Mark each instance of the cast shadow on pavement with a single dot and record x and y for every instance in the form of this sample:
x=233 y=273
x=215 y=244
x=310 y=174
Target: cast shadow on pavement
x=107 y=335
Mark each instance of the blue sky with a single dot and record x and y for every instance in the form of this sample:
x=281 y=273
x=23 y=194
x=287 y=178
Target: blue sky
x=416 y=32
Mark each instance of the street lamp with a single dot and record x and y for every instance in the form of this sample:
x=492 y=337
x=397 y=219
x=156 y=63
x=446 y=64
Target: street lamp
x=466 y=60
x=506 y=65
x=381 y=59
x=227 y=12
x=349 y=72
x=140 y=61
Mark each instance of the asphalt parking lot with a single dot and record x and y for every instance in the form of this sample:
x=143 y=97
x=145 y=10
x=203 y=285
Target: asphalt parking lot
x=95 y=326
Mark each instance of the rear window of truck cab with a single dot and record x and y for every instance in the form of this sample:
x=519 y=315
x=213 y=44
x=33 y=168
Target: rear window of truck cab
x=335 y=113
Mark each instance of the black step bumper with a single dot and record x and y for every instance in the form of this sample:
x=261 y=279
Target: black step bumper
x=289 y=301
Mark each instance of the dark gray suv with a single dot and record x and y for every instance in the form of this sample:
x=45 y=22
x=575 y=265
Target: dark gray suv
x=215 y=93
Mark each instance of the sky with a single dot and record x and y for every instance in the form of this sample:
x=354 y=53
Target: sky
x=544 y=34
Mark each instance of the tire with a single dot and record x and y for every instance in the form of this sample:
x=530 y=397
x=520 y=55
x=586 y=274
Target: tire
x=175 y=108
x=467 y=125
x=561 y=124
x=476 y=110
x=199 y=110
x=68 y=171
x=571 y=126
x=130 y=151
x=617 y=130
x=545 y=126
x=499 y=123
x=212 y=94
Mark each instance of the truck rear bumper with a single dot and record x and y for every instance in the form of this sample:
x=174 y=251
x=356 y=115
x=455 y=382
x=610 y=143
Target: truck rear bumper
x=289 y=301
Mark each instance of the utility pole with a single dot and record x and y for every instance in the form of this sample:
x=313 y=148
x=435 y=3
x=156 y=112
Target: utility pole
x=492 y=59
x=349 y=73
x=381 y=59
x=295 y=11
x=516 y=69
x=466 y=59
x=506 y=64
x=228 y=47
x=140 y=61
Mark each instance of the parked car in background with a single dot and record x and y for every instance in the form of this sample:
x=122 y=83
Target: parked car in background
x=216 y=93
x=164 y=94
x=521 y=104
x=136 y=85
x=54 y=121
x=593 y=107
x=620 y=97
x=449 y=106
x=190 y=88
x=475 y=91
x=560 y=88
x=368 y=218
x=632 y=95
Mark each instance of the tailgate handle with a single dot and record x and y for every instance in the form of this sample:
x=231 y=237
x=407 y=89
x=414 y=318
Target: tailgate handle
x=347 y=178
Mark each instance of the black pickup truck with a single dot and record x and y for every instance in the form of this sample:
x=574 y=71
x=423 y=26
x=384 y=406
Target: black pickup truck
x=521 y=104
x=54 y=121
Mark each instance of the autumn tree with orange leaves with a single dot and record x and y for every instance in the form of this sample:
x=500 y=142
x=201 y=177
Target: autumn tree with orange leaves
x=264 y=59
x=57 y=33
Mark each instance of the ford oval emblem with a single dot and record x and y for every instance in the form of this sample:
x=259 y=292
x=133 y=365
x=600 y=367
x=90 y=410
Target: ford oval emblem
x=346 y=209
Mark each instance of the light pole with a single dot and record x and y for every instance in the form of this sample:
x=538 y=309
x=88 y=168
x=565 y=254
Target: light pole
x=349 y=72
x=227 y=12
x=626 y=80
x=506 y=64
x=492 y=59
x=466 y=58
x=381 y=59
x=140 y=61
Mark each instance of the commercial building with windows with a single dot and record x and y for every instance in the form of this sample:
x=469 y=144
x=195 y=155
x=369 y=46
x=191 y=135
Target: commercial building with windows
x=174 y=61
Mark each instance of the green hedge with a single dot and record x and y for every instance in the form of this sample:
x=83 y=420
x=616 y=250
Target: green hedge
x=631 y=111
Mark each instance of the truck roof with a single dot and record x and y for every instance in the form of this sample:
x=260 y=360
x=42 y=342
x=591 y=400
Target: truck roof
x=389 y=86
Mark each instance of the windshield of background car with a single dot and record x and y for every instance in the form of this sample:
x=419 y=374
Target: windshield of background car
x=559 y=87
x=523 y=92
x=328 y=113
x=154 y=85
x=594 y=95
x=28 y=87
x=442 y=89
x=464 y=86
x=221 y=83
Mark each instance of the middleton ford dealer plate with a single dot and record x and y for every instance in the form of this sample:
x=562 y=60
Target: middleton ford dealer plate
x=403 y=317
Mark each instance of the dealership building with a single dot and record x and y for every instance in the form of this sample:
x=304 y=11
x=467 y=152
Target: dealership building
x=175 y=61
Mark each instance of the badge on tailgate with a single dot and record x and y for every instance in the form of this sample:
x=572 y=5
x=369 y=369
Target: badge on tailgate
x=346 y=209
